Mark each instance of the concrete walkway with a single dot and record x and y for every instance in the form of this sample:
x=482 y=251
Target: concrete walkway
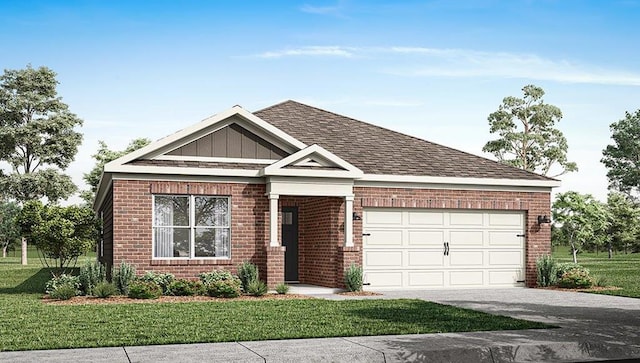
x=592 y=327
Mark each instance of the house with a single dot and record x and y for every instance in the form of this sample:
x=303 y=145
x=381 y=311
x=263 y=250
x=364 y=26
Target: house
x=303 y=193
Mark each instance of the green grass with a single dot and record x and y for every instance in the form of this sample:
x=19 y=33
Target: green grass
x=622 y=271
x=26 y=323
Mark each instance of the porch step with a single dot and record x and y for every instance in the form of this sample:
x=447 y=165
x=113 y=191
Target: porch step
x=305 y=289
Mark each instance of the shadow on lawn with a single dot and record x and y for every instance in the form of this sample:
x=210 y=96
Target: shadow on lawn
x=32 y=284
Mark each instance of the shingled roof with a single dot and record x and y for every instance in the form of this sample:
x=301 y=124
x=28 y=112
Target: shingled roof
x=376 y=150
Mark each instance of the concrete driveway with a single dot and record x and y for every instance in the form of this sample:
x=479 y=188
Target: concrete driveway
x=592 y=327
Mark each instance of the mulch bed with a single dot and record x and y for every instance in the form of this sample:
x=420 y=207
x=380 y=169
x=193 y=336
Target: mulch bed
x=91 y=300
x=359 y=293
x=591 y=289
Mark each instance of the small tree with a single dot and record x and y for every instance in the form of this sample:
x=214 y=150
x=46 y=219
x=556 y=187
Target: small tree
x=624 y=223
x=622 y=158
x=527 y=137
x=9 y=228
x=61 y=234
x=103 y=156
x=583 y=219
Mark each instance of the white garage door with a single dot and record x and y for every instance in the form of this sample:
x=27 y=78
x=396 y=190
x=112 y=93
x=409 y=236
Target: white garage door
x=417 y=249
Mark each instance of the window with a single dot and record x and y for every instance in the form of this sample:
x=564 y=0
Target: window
x=191 y=226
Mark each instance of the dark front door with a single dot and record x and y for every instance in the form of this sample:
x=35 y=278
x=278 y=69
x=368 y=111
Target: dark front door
x=290 y=241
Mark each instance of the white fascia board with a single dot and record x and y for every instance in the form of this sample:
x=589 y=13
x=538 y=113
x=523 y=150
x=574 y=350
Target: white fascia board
x=215 y=159
x=190 y=178
x=278 y=168
x=310 y=186
x=175 y=170
x=459 y=181
x=235 y=110
x=101 y=191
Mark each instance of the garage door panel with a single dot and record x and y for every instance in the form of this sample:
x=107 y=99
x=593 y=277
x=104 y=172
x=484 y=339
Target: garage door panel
x=466 y=238
x=466 y=278
x=505 y=277
x=506 y=238
x=384 y=217
x=426 y=278
x=466 y=219
x=382 y=238
x=383 y=259
x=425 y=259
x=426 y=238
x=426 y=218
x=505 y=220
x=505 y=258
x=466 y=258
x=384 y=279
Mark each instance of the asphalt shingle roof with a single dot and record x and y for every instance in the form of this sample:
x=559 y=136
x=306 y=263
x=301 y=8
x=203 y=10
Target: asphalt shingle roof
x=376 y=150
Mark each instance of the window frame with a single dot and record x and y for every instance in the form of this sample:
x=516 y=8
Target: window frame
x=192 y=226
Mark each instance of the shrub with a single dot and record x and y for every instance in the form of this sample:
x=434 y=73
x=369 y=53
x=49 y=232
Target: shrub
x=257 y=288
x=575 y=279
x=144 y=290
x=64 y=292
x=547 y=270
x=60 y=280
x=282 y=288
x=163 y=280
x=228 y=288
x=215 y=275
x=104 y=289
x=600 y=281
x=353 y=278
x=566 y=266
x=91 y=274
x=122 y=277
x=181 y=287
x=247 y=272
x=198 y=287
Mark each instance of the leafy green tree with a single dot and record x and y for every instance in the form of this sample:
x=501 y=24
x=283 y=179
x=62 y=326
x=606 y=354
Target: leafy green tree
x=61 y=234
x=103 y=156
x=582 y=218
x=622 y=158
x=9 y=228
x=624 y=223
x=528 y=138
x=37 y=137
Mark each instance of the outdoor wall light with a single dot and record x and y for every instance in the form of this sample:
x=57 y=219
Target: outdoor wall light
x=356 y=217
x=544 y=220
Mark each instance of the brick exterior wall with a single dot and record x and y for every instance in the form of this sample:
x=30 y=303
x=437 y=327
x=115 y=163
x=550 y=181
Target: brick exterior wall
x=322 y=257
x=538 y=238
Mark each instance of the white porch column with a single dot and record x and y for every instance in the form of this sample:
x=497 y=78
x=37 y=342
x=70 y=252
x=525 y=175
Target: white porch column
x=348 y=221
x=273 y=220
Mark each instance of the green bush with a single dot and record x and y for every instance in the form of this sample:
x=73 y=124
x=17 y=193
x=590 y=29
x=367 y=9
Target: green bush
x=547 y=270
x=282 y=288
x=600 y=281
x=64 y=292
x=576 y=279
x=91 y=274
x=228 y=288
x=122 y=277
x=566 y=266
x=60 y=280
x=247 y=272
x=181 y=287
x=257 y=288
x=144 y=290
x=198 y=288
x=215 y=275
x=161 y=279
x=104 y=289
x=353 y=278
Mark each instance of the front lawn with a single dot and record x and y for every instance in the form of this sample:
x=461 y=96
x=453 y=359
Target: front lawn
x=622 y=271
x=26 y=323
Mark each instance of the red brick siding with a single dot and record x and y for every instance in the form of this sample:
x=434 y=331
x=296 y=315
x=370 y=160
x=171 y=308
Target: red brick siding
x=132 y=205
x=538 y=238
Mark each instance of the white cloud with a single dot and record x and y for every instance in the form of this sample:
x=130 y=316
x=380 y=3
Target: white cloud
x=310 y=51
x=332 y=10
x=466 y=63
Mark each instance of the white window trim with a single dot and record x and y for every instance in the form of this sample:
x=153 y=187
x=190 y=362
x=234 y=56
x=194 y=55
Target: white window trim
x=191 y=227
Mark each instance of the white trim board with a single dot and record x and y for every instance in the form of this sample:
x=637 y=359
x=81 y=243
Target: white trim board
x=315 y=152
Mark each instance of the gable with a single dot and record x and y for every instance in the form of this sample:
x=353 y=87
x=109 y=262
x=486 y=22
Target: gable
x=232 y=141
x=313 y=161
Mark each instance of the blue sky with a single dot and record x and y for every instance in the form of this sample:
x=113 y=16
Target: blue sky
x=433 y=69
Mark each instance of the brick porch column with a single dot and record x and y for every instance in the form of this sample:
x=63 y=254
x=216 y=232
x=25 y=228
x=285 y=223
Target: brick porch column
x=346 y=256
x=275 y=265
